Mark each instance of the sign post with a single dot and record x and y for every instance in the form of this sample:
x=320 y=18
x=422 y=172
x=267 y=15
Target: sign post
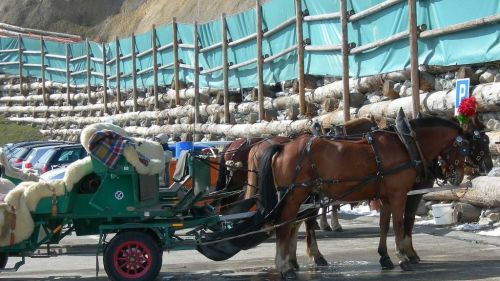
x=461 y=91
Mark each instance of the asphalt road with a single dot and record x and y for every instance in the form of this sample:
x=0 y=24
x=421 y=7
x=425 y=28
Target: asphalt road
x=446 y=255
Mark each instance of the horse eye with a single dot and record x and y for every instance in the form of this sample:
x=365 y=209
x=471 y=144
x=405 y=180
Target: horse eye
x=457 y=162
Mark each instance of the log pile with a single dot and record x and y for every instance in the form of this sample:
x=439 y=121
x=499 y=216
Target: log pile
x=380 y=96
x=485 y=192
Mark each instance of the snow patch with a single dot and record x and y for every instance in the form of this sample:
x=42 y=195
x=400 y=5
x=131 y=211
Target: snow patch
x=492 y=232
x=469 y=227
x=359 y=210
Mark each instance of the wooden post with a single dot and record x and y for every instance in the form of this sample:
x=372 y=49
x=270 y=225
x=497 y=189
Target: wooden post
x=300 y=56
x=20 y=54
x=134 y=73
x=68 y=75
x=155 y=67
x=225 y=70
x=42 y=69
x=176 y=62
x=104 y=79
x=415 y=83
x=196 y=76
x=260 y=60
x=345 y=61
x=87 y=44
x=118 y=76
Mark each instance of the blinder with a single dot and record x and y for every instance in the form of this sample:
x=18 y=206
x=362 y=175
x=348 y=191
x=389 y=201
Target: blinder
x=463 y=146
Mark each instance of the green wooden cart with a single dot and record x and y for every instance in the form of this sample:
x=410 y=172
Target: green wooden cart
x=143 y=218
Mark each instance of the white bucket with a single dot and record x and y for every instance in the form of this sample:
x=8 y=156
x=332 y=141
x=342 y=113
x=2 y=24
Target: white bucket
x=443 y=214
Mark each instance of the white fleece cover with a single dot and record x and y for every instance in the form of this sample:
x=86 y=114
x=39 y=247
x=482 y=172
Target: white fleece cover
x=25 y=197
x=150 y=149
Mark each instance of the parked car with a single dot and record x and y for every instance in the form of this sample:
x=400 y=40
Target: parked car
x=19 y=155
x=55 y=174
x=10 y=148
x=59 y=156
x=34 y=155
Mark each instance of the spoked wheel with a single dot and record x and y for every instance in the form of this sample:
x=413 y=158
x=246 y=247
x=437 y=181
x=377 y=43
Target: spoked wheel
x=132 y=256
x=3 y=260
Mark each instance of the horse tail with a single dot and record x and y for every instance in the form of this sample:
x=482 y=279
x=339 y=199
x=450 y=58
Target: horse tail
x=222 y=173
x=268 y=197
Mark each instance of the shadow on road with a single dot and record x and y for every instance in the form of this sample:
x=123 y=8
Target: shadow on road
x=443 y=271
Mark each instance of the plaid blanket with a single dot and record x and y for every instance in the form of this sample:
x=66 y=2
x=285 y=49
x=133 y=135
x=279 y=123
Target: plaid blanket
x=107 y=147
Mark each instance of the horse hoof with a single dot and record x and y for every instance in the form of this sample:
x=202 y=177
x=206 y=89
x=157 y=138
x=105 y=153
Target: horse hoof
x=325 y=228
x=321 y=261
x=289 y=275
x=414 y=259
x=295 y=265
x=338 y=229
x=386 y=263
x=406 y=266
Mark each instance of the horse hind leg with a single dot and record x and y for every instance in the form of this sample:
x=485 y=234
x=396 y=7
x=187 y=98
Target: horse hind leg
x=412 y=203
x=335 y=219
x=385 y=218
x=293 y=246
x=398 y=226
x=282 y=260
x=312 y=243
x=323 y=223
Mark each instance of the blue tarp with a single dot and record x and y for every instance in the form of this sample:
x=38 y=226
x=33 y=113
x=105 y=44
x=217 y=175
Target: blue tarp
x=475 y=45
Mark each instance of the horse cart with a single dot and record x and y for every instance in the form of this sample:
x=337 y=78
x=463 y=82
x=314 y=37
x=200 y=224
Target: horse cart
x=142 y=218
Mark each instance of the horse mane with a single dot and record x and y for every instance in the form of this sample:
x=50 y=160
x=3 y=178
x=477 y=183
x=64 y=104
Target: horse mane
x=433 y=121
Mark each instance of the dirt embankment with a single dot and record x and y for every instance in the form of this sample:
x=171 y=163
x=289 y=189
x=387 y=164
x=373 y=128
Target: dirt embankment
x=104 y=20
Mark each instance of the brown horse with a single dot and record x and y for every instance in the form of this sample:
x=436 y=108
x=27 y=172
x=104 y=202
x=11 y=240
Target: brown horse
x=480 y=160
x=378 y=166
x=354 y=128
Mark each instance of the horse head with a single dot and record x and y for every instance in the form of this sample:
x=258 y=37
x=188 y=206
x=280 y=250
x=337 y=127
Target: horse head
x=479 y=158
x=443 y=141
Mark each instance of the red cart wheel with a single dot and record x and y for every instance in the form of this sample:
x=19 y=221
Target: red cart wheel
x=3 y=260
x=132 y=255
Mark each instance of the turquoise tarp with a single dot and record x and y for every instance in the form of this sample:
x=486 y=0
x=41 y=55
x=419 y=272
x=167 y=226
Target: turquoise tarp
x=481 y=44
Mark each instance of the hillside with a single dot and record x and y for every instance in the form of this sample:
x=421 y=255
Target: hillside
x=11 y=132
x=103 y=20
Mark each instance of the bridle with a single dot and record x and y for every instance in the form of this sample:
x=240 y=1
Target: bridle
x=450 y=169
x=479 y=138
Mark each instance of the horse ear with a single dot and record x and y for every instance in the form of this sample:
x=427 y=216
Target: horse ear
x=401 y=114
x=477 y=123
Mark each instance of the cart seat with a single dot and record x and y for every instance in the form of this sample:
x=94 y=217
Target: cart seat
x=181 y=175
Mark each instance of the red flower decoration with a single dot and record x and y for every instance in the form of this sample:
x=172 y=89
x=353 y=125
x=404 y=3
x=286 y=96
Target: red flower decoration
x=467 y=107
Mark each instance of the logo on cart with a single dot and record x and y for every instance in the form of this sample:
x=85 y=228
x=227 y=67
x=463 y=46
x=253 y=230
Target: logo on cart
x=119 y=195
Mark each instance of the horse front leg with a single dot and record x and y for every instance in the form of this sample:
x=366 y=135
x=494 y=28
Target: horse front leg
x=412 y=203
x=312 y=244
x=385 y=218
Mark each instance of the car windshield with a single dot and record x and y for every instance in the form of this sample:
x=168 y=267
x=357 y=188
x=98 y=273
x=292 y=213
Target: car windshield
x=20 y=153
x=36 y=154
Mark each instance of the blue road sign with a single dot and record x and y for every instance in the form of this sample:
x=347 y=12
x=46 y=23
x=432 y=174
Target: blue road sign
x=461 y=91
